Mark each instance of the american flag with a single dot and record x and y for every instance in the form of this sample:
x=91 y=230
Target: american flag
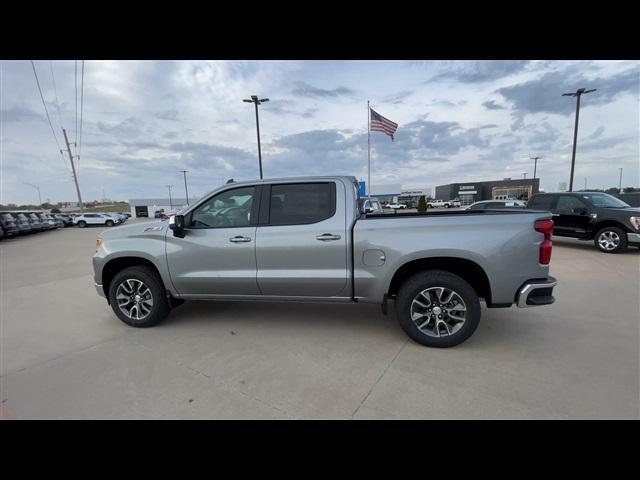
x=381 y=124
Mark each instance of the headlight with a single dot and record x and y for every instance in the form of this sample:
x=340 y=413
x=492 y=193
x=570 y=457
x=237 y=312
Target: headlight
x=635 y=221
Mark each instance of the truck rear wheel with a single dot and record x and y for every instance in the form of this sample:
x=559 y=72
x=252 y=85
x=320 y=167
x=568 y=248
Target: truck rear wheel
x=138 y=297
x=611 y=240
x=437 y=309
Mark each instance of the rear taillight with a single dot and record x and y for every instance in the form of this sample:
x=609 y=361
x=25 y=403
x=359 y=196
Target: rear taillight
x=545 y=227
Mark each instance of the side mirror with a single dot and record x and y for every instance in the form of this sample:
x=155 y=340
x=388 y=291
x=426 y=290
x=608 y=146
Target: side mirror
x=176 y=223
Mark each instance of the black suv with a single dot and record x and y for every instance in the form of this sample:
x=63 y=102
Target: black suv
x=608 y=221
x=8 y=225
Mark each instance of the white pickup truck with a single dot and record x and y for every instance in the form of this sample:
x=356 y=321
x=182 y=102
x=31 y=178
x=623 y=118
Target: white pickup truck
x=443 y=203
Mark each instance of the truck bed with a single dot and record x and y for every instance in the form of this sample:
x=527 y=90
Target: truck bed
x=503 y=243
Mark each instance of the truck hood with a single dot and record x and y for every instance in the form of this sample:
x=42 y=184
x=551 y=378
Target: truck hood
x=156 y=228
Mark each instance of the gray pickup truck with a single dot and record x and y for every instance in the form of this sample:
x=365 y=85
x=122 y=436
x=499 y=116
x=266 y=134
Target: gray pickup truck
x=309 y=240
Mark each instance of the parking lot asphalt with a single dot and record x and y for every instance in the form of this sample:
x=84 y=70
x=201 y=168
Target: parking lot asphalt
x=64 y=354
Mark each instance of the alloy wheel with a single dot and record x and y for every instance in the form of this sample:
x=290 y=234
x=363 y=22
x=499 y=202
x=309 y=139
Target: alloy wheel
x=438 y=311
x=609 y=240
x=134 y=299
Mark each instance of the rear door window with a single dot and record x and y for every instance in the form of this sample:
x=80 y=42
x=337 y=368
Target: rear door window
x=301 y=203
x=567 y=204
x=541 y=202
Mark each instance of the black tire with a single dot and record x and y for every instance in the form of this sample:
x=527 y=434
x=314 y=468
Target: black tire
x=616 y=232
x=82 y=224
x=150 y=279
x=437 y=278
x=109 y=223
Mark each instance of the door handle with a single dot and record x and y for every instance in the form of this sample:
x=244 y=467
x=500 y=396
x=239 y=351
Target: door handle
x=327 y=236
x=239 y=239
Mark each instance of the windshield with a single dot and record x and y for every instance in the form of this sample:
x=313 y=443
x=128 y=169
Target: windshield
x=604 y=200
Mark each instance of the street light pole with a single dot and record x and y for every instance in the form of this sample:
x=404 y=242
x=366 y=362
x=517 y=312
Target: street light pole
x=585 y=184
x=170 y=201
x=620 y=185
x=37 y=187
x=535 y=165
x=578 y=93
x=256 y=102
x=186 y=192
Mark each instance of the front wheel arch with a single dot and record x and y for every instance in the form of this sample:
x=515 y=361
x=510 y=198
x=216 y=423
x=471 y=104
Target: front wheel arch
x=112 y=267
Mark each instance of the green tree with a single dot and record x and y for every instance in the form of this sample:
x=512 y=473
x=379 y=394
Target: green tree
x=422 y=205
x=55 y=210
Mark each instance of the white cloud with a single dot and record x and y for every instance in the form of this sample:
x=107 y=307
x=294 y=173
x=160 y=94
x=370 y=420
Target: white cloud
x=145 y=121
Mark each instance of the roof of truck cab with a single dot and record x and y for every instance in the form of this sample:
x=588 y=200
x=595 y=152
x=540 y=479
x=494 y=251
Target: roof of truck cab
x=346 y=178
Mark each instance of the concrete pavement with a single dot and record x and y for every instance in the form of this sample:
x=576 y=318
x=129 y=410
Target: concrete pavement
x=66 y=355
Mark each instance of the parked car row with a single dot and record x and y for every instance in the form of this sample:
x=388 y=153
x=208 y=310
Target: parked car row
x=20 y=223
x=14 y=223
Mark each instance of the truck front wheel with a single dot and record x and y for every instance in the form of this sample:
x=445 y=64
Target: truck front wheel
x=138 y=297
x=438 y=309
x=611 y=240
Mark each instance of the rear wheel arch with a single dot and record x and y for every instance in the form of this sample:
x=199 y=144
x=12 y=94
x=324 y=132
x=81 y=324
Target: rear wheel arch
x=466 y=269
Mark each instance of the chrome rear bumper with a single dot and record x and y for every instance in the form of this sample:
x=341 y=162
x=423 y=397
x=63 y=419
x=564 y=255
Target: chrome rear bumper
x=536 y=292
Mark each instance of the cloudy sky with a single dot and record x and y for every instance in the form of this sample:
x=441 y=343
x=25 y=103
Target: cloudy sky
x=144 y=121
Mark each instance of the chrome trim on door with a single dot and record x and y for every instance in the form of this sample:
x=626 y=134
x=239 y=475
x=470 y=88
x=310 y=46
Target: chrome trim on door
x=239 y=239
x=328 y=236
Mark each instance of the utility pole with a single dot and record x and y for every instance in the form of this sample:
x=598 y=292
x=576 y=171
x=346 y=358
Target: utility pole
x=37 y=187
x=535 y=165
x=524 y=176
x=585 y=184
x=578 y=93
x=170 y=202
x=73 y=168
x=256 y=102
x=186 y=192
x=620 y=185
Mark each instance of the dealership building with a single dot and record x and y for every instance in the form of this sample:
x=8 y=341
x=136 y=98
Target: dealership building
x=147 y=207
x=395 y=193
x=471 y=192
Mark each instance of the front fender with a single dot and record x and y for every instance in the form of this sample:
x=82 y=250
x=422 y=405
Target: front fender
x=150 y=248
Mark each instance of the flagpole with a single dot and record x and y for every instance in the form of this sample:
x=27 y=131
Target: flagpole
x=368 y=149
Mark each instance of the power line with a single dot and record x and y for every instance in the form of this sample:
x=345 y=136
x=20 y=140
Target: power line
x=55 y=91
x=81 y=109
x=45 y=105
x=75 y=133
x=47 y=111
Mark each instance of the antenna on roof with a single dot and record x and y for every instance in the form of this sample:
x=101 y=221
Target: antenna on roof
x=230 y=181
